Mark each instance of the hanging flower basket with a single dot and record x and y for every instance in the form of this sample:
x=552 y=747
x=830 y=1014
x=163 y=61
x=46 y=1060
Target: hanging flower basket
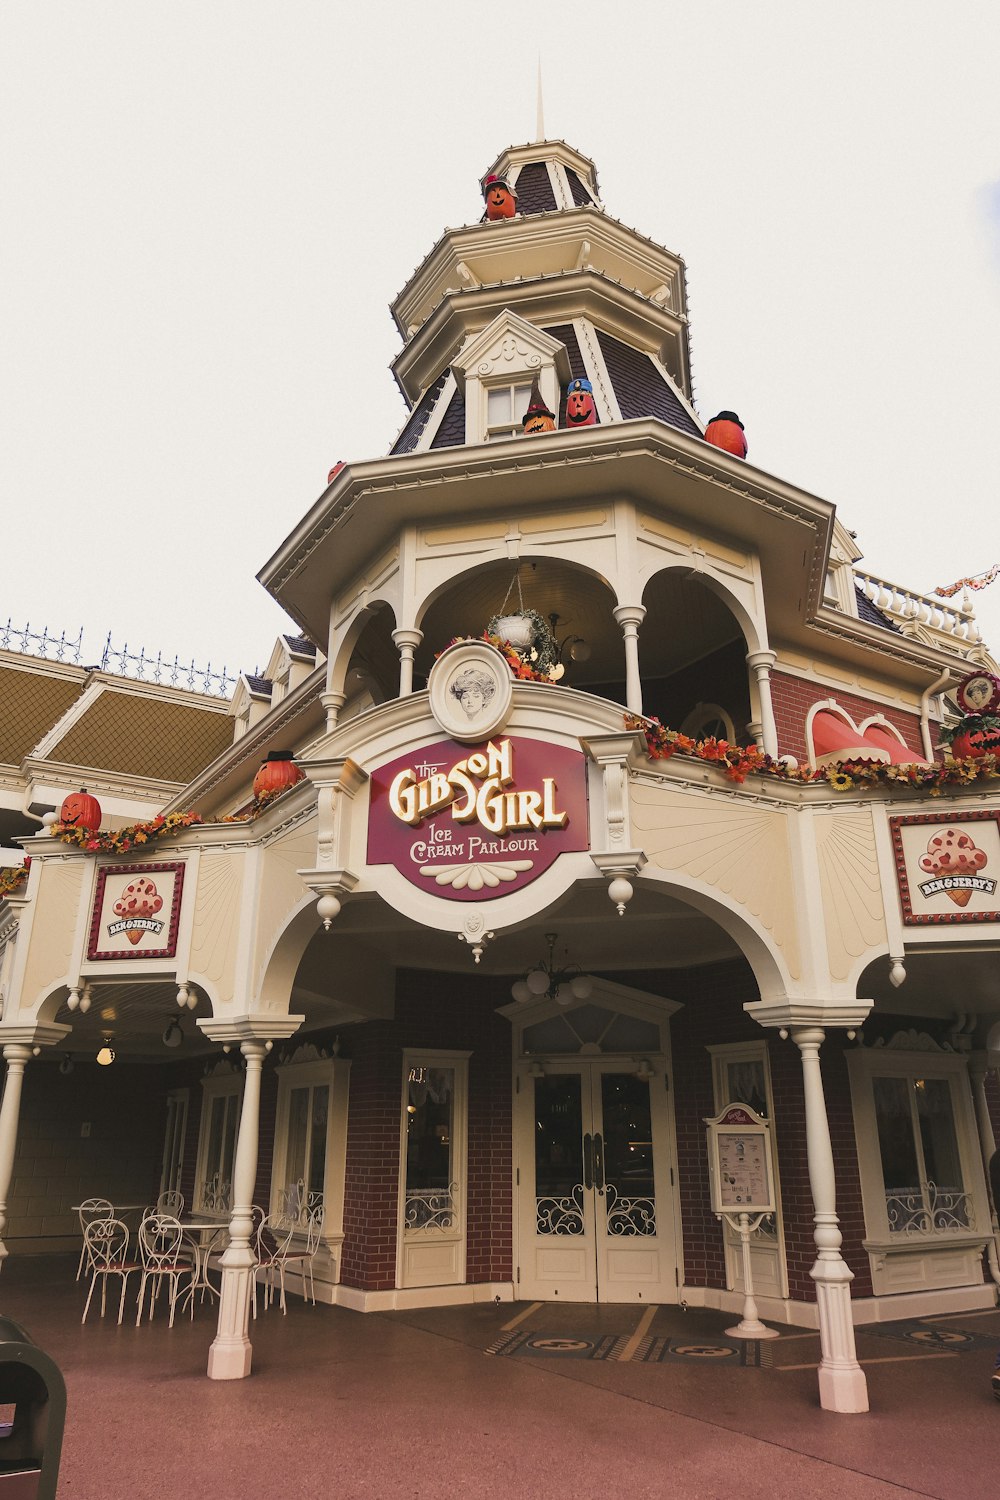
x=517 y=630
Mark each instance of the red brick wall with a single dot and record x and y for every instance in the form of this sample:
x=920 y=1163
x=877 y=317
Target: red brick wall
x=793 y=697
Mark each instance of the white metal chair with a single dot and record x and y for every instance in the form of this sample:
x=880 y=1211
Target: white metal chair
x=91 y=1209
x=274 y=1235
x=304 y=1257
x=171 y=1202
x=160 y=1245
x=105 y=1242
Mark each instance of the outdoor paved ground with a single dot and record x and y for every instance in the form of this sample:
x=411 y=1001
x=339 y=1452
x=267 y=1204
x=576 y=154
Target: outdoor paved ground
x=410 y=1404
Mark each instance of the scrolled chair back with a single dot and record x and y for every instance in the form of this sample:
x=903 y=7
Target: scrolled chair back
x=106 y=1243
x=160 y=1238
x=95 y=1208
x=170 y=1202
x=314 y=1225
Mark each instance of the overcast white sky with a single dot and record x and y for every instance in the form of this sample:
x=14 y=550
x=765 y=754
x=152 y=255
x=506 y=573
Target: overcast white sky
x=208 y=206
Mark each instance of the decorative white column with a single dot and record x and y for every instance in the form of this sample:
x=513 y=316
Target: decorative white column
x=18 y=1055
x=630 y=617
x=407 y=642
x=842 y=1384
x=231 y=1354
x=760 y=663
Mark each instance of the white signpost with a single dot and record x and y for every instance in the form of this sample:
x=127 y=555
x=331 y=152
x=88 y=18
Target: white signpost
x=742 y=1185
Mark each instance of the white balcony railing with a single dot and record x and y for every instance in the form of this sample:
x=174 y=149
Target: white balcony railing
x=919 y=614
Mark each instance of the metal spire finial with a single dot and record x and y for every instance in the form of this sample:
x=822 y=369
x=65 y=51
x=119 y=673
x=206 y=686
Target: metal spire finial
x=539 y=112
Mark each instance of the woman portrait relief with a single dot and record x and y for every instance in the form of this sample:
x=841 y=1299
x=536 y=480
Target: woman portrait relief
x=473 y=687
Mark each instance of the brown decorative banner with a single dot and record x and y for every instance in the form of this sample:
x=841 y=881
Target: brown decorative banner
x=948 y=867
x=137 y=910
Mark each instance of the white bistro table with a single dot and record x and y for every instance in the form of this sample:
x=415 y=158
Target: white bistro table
x=202 y=1235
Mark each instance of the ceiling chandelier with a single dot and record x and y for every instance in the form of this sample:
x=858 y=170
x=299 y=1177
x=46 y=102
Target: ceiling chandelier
x=106 y=1055
x=561 y=984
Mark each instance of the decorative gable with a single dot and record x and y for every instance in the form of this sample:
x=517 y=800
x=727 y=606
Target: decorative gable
x=495 y=370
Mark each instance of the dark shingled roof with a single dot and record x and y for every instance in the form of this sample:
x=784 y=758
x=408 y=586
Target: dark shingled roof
x=640 y=388
x=581 y=197
x=262 y=685
x=300 y=645
x=410 y=435
x=534 y=190
x=452 y=429
x=566 y=334
x=871 y=615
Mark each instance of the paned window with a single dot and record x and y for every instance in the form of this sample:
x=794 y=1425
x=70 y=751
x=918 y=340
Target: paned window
x=505 y=406
x=303 y=1137
x=433 y=1167
x=918 y=1148
x=173 y=1141
x=918 y=1151
x=220 y=1120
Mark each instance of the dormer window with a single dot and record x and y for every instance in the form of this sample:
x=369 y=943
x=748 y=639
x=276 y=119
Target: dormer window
x=505 y=406
x=495 y=370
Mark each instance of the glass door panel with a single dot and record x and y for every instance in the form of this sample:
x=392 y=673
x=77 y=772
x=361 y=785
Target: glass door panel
x=627 y=1155
x=559 y=1140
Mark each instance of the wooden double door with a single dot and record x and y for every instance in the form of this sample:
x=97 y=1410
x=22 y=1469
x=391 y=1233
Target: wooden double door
x=596 y=1213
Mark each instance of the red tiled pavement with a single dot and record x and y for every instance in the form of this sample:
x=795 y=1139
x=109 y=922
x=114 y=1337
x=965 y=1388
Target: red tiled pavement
x=407 y=1404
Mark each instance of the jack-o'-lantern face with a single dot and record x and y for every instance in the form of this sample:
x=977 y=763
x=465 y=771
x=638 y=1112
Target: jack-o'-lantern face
x=974 y=743
x=580 y=409
x=80 y=810
x=540 y=422
x=500 y=202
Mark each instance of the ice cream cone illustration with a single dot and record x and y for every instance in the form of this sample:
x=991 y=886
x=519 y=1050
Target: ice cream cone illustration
x=952 y=853
x=138 y=901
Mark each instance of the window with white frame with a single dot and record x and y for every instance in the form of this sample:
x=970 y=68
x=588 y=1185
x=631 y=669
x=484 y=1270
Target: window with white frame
x=505 y=406
x=740 y=1075
x=220 y=1120
x=173 y=1140
x=434 y=1108
x=709 y=720
x=918 y=1152
x=303 y=1137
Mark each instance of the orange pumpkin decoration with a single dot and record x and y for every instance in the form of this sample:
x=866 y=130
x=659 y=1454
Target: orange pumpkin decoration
x=278 y=772
x=726 y=431
x=537 y=418
x=501 y=200
x=975 y=742
x=580 y=408
x=81 y=810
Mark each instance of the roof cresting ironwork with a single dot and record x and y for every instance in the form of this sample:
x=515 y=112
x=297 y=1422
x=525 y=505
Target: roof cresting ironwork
x=140 y=665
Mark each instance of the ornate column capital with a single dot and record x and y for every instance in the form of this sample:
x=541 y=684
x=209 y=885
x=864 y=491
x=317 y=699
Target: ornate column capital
x=761 y=661
x=33 y=1034
x=260 y=1028
x=629 y=615
x=407 y=639
x=789 y=1013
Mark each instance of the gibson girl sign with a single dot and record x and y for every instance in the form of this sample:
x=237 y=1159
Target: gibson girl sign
x=948 y=868
x=474 y=822
x=136 y=911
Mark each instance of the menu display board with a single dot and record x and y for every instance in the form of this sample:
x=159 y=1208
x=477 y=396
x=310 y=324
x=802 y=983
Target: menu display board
x=739 y=1159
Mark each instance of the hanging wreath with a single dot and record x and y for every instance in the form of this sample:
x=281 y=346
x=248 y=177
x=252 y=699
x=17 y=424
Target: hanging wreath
x=542 y=652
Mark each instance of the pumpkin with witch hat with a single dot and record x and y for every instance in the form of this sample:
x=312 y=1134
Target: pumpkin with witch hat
x=501 y=199
x=537 y=418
